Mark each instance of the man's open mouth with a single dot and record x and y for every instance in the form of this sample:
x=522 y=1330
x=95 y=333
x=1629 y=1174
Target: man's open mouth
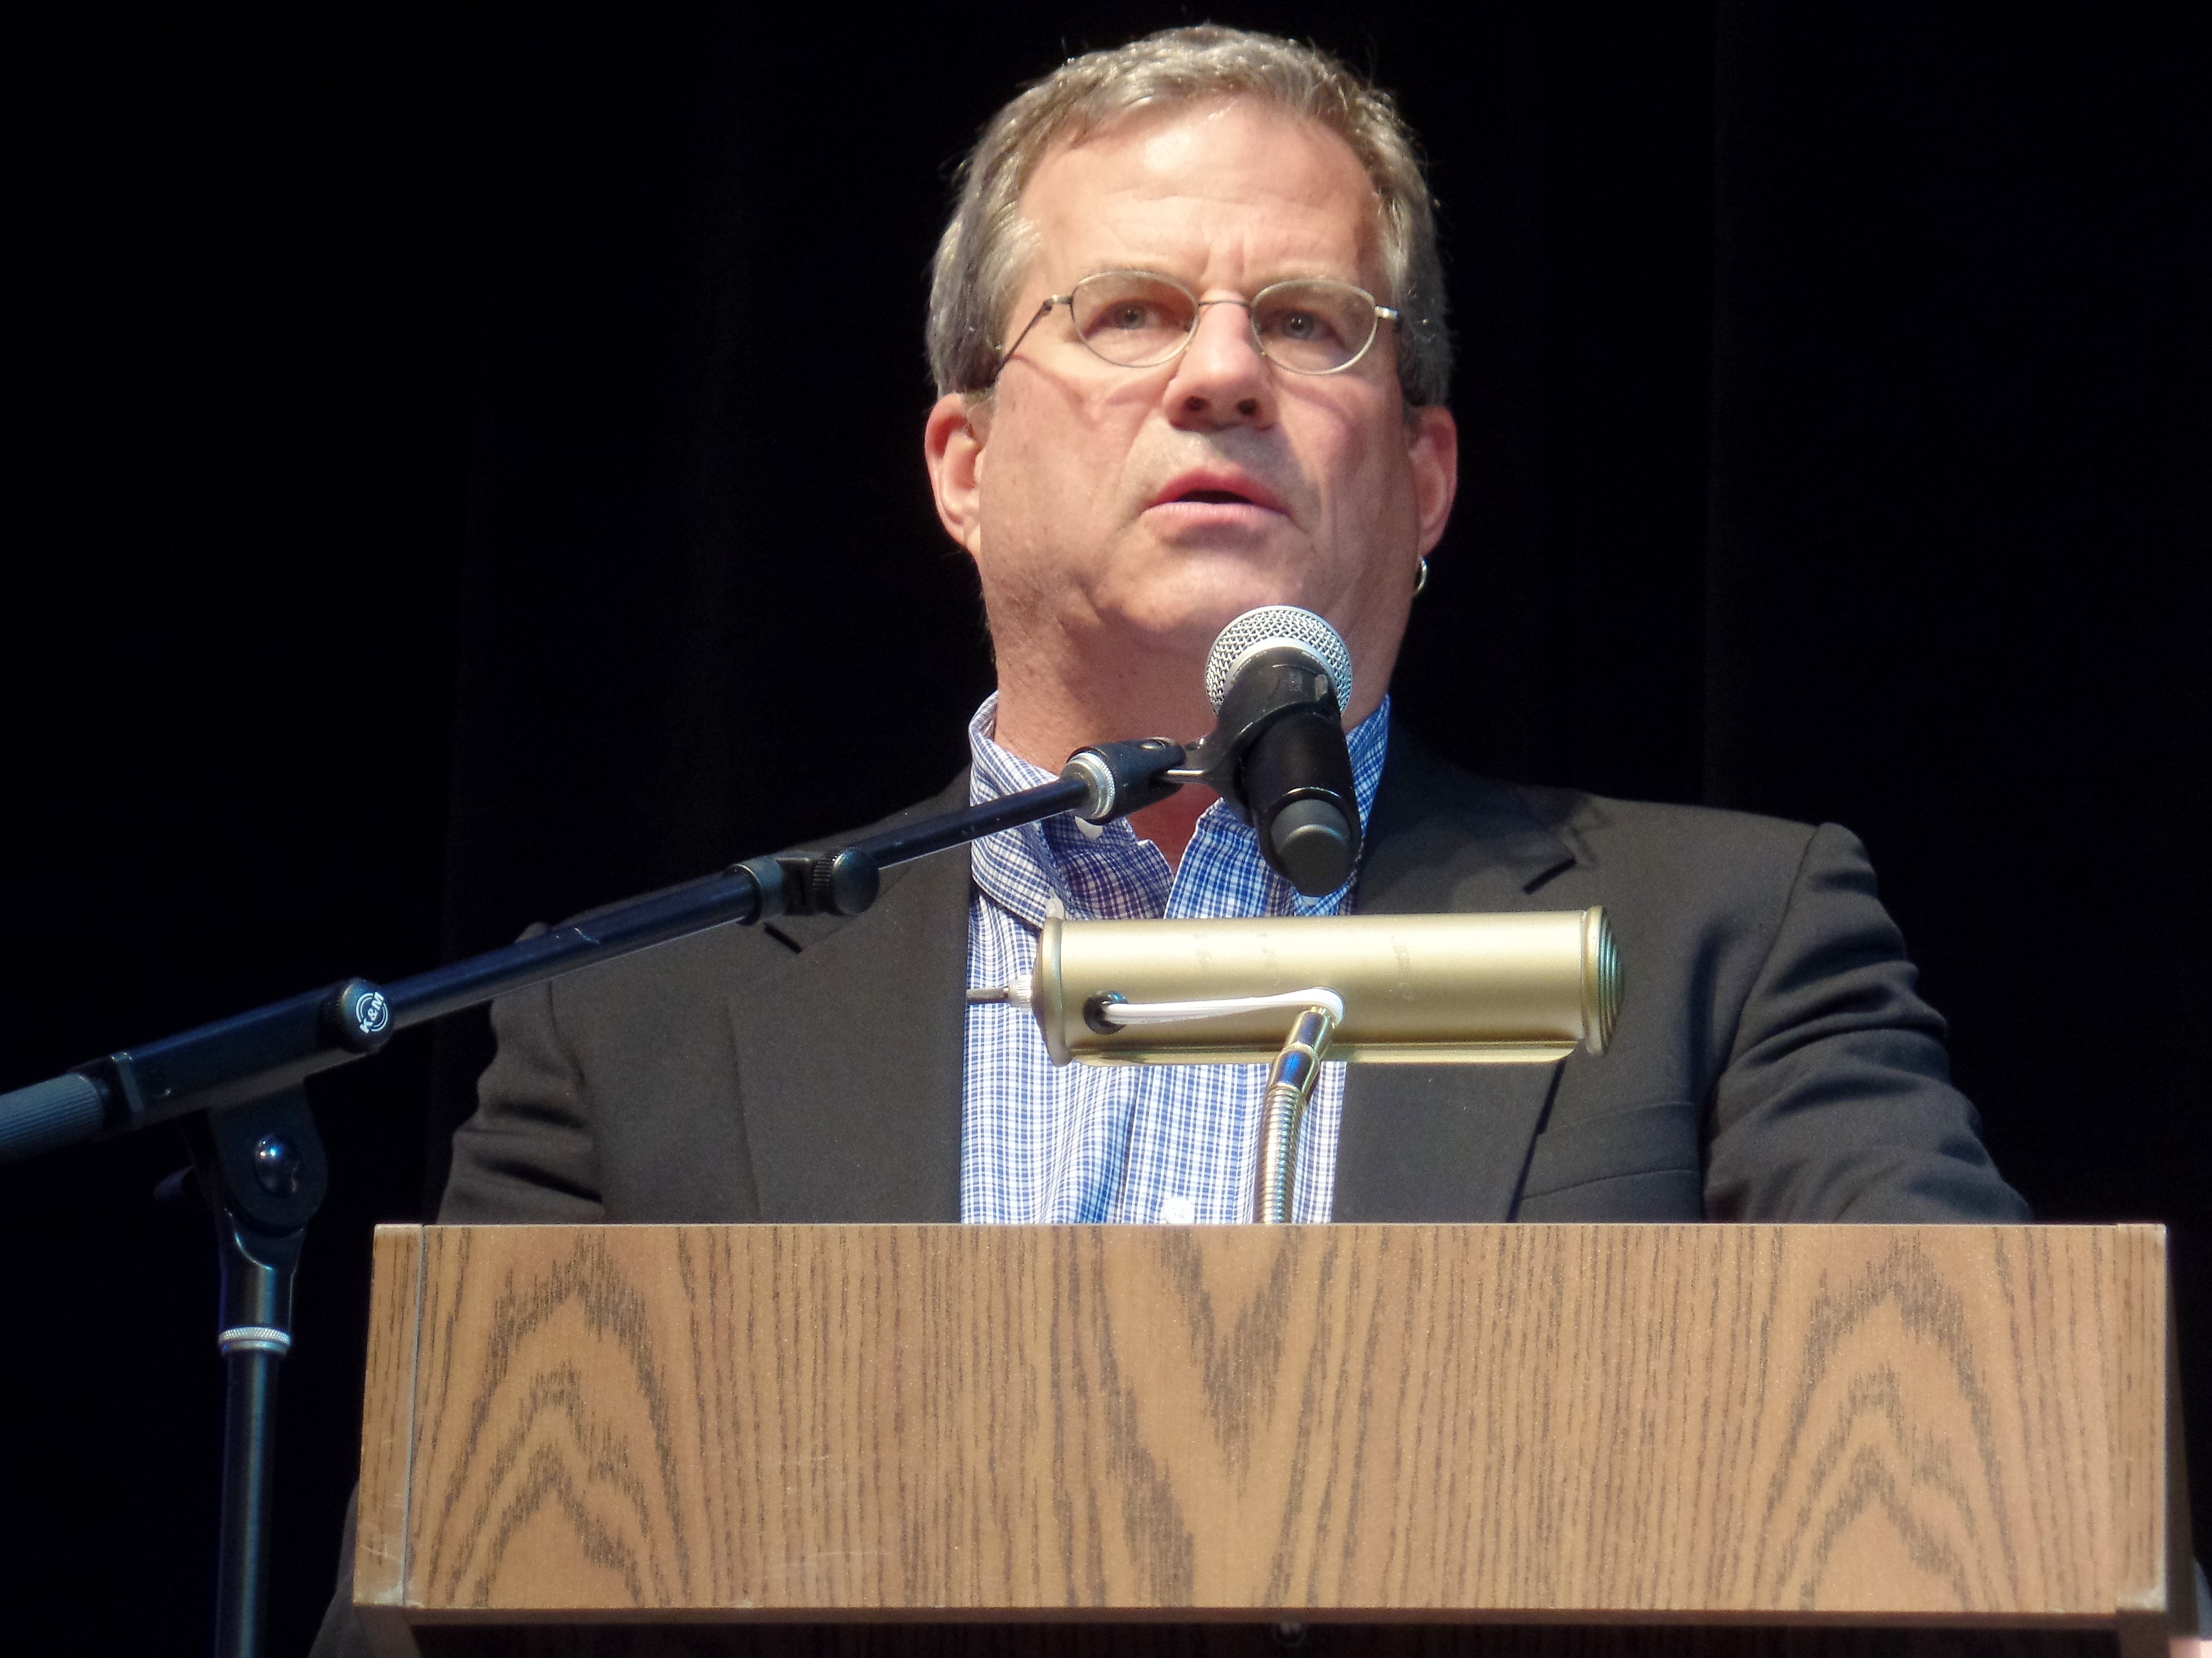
x=1213 y=487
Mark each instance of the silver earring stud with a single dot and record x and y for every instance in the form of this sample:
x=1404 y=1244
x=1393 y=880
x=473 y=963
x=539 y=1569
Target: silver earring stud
x=1420 y=577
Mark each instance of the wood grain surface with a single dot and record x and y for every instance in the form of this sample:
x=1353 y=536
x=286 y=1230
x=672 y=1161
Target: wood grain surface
x=387 y=1443
x=1817 y=1425
x=1220 y=1640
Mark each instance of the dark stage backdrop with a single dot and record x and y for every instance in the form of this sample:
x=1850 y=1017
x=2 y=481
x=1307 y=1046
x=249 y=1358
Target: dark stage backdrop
x=467 y=467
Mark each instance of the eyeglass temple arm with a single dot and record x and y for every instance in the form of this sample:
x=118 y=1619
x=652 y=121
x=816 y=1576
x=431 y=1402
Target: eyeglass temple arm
x=1042 y=311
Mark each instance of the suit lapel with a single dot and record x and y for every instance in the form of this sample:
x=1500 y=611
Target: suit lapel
x=849 y=1057
x=1444 y=1142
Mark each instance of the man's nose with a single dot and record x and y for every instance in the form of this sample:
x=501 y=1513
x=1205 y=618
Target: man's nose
x=1221 y=380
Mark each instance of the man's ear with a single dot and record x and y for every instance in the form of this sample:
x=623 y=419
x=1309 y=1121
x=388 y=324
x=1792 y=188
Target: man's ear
x=952 y=443
x=1432 y=447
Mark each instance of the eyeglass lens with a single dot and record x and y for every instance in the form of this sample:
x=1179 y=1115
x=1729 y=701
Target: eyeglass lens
x=1134 y=319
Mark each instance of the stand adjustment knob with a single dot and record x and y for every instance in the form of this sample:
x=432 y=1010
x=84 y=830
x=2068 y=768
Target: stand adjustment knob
x=277 y=1165
x=358 y=1017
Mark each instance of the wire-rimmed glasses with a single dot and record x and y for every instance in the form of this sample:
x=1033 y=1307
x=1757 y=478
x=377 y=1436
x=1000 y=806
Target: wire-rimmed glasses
x=1140 y=320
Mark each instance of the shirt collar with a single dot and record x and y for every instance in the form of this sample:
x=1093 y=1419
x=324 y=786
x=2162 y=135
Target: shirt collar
x=1106 y=872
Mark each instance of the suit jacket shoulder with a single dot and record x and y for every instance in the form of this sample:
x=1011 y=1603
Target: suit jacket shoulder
x=806 y=1069
x=1773 y=1060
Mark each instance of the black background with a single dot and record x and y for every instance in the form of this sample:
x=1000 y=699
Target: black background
x=466 y=465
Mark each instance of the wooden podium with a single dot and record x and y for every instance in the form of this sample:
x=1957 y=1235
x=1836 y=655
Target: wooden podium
x=860 y=1439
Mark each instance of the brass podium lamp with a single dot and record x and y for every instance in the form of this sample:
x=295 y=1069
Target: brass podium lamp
x=1493 y=989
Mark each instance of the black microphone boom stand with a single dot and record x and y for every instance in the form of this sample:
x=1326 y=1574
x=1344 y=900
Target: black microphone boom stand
x=261 y=1167
x=260 y=1164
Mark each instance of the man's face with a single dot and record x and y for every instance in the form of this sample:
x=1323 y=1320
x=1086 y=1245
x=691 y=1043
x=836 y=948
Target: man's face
x=1131 y=513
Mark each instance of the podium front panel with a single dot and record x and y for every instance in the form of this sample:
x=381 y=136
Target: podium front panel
x=1957 y=1425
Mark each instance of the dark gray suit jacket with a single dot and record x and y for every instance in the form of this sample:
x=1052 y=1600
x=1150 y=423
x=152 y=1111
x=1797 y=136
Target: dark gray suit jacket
x=1771 y=1061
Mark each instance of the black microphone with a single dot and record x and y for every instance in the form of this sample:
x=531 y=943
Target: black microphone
x=1279 y=679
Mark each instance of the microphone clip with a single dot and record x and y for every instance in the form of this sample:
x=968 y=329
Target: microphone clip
x=1277 y=755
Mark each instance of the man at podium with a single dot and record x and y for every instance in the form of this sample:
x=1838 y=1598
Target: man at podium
x=1188 y=328
x=1187 y=325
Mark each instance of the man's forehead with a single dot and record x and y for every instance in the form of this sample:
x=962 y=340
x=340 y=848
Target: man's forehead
x=1233 y=178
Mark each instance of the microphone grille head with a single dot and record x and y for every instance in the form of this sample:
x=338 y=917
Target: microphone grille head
x=1269 y=626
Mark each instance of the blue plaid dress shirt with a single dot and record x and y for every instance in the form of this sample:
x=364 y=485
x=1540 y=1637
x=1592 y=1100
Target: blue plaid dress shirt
x=1152 y=1143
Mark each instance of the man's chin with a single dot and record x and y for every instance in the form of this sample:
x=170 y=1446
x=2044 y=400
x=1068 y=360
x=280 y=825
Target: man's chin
x=1181 y=619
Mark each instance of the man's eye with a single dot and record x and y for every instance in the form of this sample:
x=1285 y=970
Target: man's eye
x=1130 y=315
x=1301 y=326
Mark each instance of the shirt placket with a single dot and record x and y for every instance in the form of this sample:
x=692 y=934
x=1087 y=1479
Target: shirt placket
x=1091 y=1143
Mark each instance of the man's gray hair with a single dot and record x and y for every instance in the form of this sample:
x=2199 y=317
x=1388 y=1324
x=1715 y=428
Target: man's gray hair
x=982 y=256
